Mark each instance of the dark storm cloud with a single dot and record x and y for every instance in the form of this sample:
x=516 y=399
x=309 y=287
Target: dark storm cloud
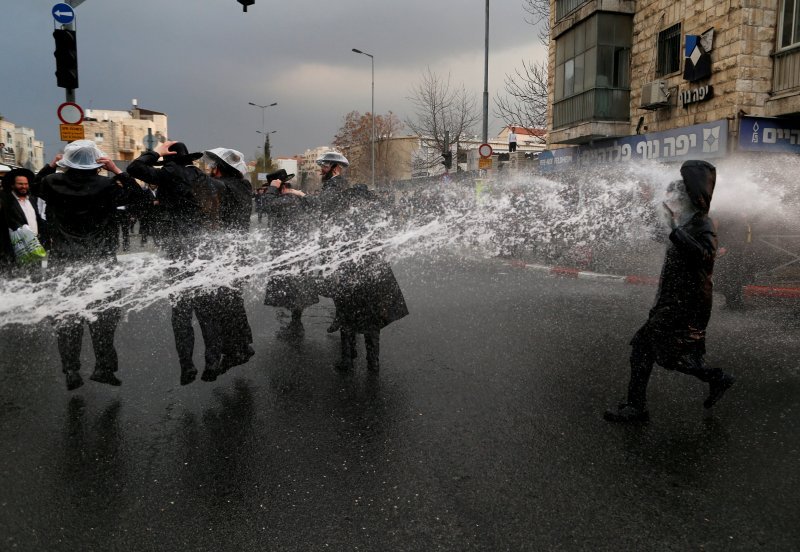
x=201 y=61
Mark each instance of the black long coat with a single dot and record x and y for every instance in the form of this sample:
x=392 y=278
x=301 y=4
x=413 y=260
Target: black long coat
x=364 y=290
x=81 y=211
x=290 y=223
x=187 y=202
x=678 y=320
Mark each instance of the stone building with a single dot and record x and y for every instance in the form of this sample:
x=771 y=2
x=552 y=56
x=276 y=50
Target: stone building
x=123 y=135
x=19 y=146
x=668 y=80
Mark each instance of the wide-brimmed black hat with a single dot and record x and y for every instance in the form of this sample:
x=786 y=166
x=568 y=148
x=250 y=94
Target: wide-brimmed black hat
x=279 y=175
x=8 y=178
x=182 y=155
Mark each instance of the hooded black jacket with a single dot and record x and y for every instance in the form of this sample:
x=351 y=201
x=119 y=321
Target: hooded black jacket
x=683 y=302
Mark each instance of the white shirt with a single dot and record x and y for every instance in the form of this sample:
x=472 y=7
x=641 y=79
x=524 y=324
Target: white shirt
x=30 y=214
x=512 y=137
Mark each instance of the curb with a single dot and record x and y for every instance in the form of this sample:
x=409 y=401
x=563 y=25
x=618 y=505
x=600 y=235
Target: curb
x=775 y=292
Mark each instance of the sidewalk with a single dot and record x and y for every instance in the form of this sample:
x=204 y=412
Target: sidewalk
x=647 y=280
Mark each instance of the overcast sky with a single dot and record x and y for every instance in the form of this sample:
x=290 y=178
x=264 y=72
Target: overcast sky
x=202 y=61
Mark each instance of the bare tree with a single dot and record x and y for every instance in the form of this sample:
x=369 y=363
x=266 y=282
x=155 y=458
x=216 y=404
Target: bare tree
x=440 y=107
x=525 y=100
x=539 y=16
x=354 y=139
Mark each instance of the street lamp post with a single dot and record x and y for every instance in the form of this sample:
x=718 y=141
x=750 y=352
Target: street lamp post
x=372 y=61
x=263 y=108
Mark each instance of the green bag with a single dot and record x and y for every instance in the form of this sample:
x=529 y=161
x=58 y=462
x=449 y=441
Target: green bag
x=27 y=248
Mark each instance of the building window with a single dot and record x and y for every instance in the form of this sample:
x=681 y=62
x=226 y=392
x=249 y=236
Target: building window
x=98 y=137
x=669 y=51
x=790 y=23
x=565 y=7
x=592 y=78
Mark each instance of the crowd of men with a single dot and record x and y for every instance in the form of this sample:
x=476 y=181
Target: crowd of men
x=79 y=226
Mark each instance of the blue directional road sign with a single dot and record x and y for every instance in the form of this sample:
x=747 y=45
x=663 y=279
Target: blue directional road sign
x=63 y=13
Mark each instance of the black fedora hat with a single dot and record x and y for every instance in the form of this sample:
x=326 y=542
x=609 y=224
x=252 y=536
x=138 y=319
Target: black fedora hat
x=279 y=175
x=182 y=155
x=8 y=178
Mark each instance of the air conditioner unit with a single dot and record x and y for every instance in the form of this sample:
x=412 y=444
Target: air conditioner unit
x=655 y=95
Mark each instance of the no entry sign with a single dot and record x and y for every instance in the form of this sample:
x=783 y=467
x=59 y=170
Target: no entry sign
x=485 y=150
x=70 y=113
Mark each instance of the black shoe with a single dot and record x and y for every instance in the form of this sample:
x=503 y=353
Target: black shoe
x=188 y=375
x=626 y=413
x=335 y=326
x=236 y=359
x=74 y=380
x=105 y=376
x=717 y=388
x=211 y=372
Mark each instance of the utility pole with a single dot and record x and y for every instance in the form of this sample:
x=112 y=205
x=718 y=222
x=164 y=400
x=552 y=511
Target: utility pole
x=372 y=61
x=486 y=81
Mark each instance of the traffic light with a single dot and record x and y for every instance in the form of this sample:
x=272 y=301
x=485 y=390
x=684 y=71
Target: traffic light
x=447 y=160
x=246 y=3
x=66 y=58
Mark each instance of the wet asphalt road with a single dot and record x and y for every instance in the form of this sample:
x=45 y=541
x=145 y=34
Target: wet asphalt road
x=483 y=431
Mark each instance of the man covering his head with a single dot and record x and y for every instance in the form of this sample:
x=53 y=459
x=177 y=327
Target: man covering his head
x=81 y=216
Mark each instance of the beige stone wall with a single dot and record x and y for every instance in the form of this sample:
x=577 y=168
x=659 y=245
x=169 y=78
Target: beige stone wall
x=744 y=38
x=123 y=137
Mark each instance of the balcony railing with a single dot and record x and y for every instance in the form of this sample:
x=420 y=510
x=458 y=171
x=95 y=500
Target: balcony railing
x=785 y=70
x=597 y=104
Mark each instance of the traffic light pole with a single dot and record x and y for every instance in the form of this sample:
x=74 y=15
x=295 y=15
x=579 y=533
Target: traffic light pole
x=69 y=92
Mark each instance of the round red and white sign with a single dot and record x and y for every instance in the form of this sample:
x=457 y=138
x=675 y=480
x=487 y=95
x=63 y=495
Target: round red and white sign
x=70 y=113
x=485 y=150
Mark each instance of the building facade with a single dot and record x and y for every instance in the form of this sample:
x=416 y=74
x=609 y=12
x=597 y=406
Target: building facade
x=19 y=146
x=667 y=79
x=124 y=135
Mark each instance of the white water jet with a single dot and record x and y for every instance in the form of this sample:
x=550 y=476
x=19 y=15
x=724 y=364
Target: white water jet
x=601 y=213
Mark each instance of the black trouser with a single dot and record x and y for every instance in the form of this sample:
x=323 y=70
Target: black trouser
x=69 y=332
x=645 y=353
x=512 y=146
x=123 y=220
x=203 y=307
x=372 y=341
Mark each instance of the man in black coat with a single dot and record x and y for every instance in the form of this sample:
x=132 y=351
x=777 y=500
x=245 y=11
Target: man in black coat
x=674 y=334
x=227 y=179
x=363 y=287
x=290 y=221
x=17 y=208
x=81 y=210
x=188 y=205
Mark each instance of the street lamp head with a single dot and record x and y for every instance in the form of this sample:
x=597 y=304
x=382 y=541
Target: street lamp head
x=272 y=104
x=356 y=50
